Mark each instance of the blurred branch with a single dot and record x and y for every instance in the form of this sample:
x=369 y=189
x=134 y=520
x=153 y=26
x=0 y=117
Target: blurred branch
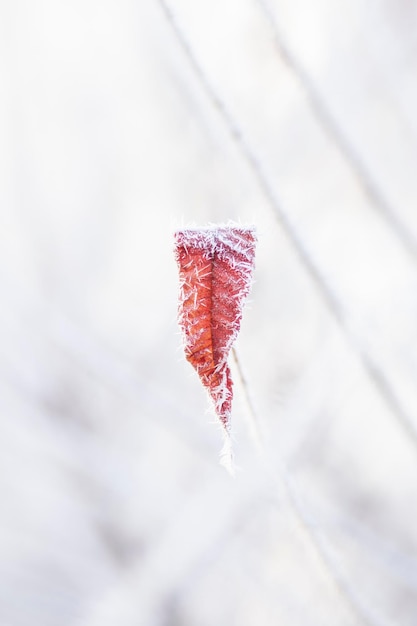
x=310 y=529
x=331 y=127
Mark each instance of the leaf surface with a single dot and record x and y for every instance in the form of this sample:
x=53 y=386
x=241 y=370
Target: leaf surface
x=215 y=267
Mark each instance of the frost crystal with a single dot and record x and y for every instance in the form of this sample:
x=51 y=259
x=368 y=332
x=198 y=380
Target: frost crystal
x=215 y=266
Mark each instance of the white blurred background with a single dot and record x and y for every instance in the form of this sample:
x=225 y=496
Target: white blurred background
x=120 y=121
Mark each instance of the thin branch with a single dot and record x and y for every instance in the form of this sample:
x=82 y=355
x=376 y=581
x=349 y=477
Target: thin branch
x=330 y=126
x=331 y=301
x=313 y=535
x=253 y=423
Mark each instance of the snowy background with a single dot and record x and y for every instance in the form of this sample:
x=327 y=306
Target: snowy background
x=120 y=121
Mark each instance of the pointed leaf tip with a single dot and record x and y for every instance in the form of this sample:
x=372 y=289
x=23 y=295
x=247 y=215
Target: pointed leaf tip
x=215 y=268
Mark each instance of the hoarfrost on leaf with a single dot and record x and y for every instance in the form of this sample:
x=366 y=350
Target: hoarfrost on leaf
x=215 y=267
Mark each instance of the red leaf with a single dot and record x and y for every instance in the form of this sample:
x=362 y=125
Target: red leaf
x=215 y=267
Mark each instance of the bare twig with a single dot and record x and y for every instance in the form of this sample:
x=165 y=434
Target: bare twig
x=331 y=127
x=254 y=426
x=313 y=535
